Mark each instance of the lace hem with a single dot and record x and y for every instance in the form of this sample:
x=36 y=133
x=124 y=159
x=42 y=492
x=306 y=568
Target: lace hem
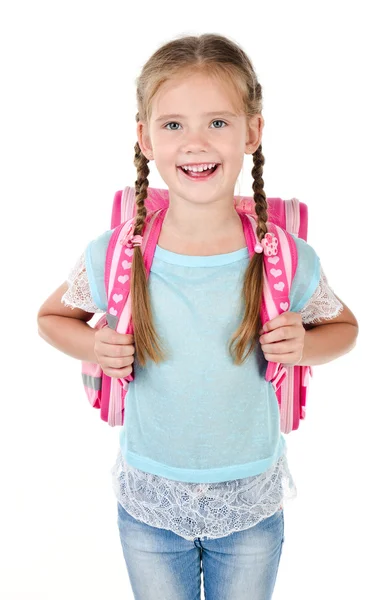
x=194 y=510
x=323 y=303
x=78 y=294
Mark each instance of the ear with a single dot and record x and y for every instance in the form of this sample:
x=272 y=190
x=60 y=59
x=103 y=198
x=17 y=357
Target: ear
x=144 y=140
x=254 y=133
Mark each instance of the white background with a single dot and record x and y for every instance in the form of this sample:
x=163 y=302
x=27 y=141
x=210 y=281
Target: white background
x=67 y=141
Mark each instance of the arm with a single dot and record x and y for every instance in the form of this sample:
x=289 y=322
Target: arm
x=65 y=328
x=329 y=338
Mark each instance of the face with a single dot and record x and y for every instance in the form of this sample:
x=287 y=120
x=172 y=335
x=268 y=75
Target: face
x=195 y=137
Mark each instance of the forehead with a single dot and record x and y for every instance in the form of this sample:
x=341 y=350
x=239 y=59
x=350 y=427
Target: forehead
x=194 y=95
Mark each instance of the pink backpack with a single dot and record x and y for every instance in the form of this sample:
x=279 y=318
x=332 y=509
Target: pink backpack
x=280 y=263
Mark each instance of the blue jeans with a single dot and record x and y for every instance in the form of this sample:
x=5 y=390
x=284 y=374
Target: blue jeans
x=163 y=565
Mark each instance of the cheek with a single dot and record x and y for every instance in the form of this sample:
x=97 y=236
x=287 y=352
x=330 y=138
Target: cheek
x=235 y=162
x=166 y=152
x=232 y=148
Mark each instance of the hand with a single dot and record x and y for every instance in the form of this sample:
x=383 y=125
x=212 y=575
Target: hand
x=114 y=352
x=288 y=327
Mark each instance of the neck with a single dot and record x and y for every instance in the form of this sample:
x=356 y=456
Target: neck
x=201 y=221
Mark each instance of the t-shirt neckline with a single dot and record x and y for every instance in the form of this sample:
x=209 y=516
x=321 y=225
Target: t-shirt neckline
x=212 y=260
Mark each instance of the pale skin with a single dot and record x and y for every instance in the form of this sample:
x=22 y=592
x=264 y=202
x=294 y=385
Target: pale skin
x=187 y=228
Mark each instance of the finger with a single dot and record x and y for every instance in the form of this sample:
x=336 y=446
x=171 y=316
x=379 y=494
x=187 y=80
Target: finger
x=285 y=319
x=123 y=338
x=118 y=372
x=282 y=333
x=281 y=320
x=114 y=351
x=119 y=363
x=129 y=338
x=281 y=358
x=278 y=348
x=110 y=336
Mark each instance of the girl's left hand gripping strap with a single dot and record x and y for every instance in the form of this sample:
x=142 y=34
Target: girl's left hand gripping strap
x=277 y=284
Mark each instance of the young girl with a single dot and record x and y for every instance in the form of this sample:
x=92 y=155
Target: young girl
x=201 y=474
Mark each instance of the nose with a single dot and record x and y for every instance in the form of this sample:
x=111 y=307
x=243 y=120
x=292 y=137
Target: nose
x=194 y=141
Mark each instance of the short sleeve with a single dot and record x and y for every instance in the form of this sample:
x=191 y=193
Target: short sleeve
x=310 y=293
x=95 y=254
x=86 y=280
x=78 y=294
x=307 y=275
x=323 y=304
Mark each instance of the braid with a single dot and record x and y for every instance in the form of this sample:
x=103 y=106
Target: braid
x=146 y=339
x=248 y=332
x=261 y=205
x=141 y=188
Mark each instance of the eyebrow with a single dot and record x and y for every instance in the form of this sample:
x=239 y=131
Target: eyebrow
x=207 y=114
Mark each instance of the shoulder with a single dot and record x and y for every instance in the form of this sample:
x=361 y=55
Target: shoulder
x=95 y=254
x=100 y=243
x=307 y=274
x=96 y=250
x=305 y=252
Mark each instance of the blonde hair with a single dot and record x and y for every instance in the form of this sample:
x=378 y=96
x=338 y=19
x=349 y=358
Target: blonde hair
x=216 y=56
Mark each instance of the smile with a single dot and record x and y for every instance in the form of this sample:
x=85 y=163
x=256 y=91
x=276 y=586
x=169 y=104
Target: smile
x=200 y=175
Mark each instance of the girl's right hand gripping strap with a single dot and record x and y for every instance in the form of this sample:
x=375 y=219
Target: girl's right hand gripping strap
x=119 y=301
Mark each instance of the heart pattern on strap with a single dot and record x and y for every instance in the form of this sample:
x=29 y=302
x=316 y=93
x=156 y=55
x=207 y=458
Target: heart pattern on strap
x=276 y=272
x=280 y=285
x=123 y=278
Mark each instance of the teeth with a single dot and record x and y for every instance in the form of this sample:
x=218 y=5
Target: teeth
x=200 y=168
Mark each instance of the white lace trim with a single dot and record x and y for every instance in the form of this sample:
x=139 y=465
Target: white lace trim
x=78 y=294
x=194 y=510
x=323 y=303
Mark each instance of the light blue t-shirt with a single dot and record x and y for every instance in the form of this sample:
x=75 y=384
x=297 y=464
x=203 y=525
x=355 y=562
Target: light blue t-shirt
x=198 y=417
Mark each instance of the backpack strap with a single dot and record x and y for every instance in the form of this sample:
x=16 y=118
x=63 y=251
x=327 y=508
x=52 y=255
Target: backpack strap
x=279 y=271
x=118 y=267
x=278 y=277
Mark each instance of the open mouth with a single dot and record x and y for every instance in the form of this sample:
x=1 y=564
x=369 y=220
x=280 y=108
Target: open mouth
x=200 y=175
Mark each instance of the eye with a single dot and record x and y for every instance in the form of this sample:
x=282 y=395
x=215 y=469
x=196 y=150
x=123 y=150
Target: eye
x=175 y=123
x=172 y=123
